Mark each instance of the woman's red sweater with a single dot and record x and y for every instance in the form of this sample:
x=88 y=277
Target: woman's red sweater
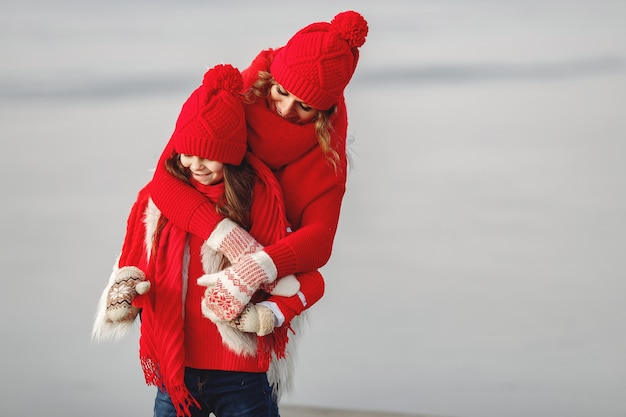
x=312 y=186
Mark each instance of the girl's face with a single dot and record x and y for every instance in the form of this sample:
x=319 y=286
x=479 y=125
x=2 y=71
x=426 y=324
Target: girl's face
x=290 y=107
x=204 y=171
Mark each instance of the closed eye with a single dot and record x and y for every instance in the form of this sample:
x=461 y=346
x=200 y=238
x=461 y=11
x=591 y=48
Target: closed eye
x=281 y=91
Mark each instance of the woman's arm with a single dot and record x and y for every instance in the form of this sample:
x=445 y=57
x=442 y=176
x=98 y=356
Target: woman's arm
x=183 y=205
x=314 y=191
x=286 y=308
x=309 y=247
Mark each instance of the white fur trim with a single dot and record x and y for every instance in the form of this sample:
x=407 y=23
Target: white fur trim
x=241 y=343
x=151 y=220
x=211 y=259
x=282 y=371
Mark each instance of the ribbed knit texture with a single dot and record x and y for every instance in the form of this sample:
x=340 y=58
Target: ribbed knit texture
x=312 y=187
x=311 y=285
x=211 y=123
x=170 y=342
x=204 y=348
x=317 y=63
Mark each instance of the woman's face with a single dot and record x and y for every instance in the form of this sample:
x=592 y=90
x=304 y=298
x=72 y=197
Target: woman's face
x=290 y=107
x=204 y=171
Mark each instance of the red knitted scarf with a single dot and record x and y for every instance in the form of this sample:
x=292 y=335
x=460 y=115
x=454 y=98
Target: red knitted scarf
x=161 y=346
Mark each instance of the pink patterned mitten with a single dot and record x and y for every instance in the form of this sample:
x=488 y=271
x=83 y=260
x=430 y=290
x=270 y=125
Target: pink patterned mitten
x=235 y=285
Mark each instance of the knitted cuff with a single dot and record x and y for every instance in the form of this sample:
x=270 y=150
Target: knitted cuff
x=204 y=220
x=264 y=266
x=284 y=258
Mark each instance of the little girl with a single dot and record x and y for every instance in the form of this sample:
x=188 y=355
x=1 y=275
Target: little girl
x=200 y=365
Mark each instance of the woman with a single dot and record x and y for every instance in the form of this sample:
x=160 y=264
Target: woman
x=297 y=125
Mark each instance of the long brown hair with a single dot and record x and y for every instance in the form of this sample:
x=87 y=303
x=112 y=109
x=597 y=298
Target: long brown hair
x=323 y=126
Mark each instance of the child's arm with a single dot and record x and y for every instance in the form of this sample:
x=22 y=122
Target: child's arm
x=115 y=313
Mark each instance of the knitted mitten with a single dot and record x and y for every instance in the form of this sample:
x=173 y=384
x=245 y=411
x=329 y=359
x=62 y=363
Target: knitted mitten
x=229 y=239
x=284 y=287
x=235 y=285
x=129 y=281
x=255 y=318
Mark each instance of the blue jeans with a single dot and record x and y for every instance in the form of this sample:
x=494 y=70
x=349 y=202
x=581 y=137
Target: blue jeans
x=223 y=393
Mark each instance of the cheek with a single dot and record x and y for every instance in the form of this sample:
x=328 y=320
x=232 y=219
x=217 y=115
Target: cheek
x=218 y=168
x=306 y=117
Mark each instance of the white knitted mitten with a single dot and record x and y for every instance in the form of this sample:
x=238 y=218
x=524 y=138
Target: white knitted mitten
x=229 y=239
x=129 y=281
x=255 y=318
x=235 y=285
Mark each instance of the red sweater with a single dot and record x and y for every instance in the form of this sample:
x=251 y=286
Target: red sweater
x=203 y=345
x=204 y=348
x=313 y=189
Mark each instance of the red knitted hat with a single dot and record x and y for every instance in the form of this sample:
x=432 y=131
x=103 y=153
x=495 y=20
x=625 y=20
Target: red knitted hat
x=212 y=122
x=319 y=60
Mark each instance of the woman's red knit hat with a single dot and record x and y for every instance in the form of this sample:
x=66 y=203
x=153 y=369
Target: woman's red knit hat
x=319 y=60
x=212 y=122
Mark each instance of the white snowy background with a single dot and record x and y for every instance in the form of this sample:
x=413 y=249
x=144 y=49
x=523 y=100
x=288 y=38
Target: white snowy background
x=478 y=269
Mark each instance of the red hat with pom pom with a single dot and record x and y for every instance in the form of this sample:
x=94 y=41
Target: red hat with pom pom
x=318 y=61
x=212 y=122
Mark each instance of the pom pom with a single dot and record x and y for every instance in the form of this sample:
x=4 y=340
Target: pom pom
x=223 y=77
x=352 y=27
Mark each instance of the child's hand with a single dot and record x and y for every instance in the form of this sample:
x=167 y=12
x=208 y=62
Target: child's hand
x=234 y=286
x=129 y=282
x=256 y=318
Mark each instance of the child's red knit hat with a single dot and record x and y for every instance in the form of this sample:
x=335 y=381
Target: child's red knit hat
x=212 y=122
x=319 y=60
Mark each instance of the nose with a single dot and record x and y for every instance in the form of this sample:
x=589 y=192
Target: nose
x=287 y=106
x=196 y=163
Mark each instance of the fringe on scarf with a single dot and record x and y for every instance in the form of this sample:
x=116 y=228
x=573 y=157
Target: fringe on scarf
x=179 y=394
x=182 y=400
